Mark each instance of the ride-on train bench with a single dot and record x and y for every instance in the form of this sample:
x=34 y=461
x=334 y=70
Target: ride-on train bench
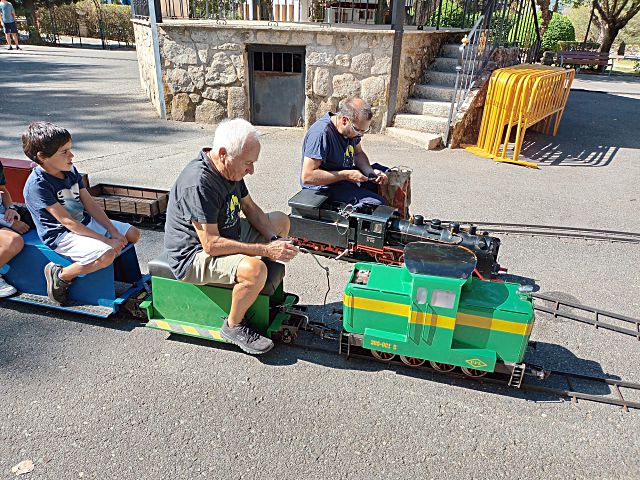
x=199 y=310
x=101 y=293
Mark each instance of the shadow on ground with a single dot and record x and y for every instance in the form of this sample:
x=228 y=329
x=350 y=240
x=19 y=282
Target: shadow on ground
x=104 y=117
x=594 y=127
x=312 y=349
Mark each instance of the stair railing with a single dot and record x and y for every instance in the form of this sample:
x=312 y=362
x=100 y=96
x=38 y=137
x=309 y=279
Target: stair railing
x=473 y=55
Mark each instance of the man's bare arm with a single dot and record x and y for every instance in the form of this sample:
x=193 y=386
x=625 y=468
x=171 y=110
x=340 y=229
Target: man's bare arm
x=361 y=160
x=256 y=217
x=216 y=246
x=313 y=175
x=93 y=209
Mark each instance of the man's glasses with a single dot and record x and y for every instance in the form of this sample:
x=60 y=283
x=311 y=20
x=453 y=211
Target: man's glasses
x=357 y=130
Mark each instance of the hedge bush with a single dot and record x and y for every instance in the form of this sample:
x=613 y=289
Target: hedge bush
x=570 y=46
x=560 y=29
x=113 y=20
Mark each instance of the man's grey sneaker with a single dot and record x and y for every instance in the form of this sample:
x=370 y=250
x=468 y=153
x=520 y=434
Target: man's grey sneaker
x=6 y=289
x=56 y=287
x=246 y=338
x=18 y=47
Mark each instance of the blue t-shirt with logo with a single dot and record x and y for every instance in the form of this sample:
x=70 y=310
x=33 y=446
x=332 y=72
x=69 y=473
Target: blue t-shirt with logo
x=7 y=12
x=43 y=190
x=324 y=142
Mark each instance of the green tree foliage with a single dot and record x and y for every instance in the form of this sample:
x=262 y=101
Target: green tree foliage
x=111 y=21
x=452 y=15
x=579 y=16
x=560 y=29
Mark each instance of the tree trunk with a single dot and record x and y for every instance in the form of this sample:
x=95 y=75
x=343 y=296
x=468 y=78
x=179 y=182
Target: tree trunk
x=609 y=34
x=545 y=13
x=30 y=12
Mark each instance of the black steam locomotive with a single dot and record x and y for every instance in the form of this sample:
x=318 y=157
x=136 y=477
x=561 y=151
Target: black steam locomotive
x=378 y=233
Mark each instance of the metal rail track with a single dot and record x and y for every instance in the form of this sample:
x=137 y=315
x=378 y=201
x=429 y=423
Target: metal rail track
x=556 y=231
x=578 y=386
x=585 y=314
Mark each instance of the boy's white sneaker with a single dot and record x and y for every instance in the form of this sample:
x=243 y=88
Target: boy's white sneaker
x=6 y=289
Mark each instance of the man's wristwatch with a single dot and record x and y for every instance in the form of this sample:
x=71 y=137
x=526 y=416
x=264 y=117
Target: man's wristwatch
x=275 y=237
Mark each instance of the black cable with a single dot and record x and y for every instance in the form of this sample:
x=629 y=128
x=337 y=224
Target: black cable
x=326 y=271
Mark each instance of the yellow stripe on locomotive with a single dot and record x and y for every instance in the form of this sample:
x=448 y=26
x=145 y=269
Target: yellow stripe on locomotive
x=433 y=309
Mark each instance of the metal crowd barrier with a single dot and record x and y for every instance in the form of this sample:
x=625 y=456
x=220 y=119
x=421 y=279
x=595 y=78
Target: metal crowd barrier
x=521 y=97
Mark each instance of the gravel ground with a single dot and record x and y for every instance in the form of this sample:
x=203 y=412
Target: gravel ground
x=112 y=400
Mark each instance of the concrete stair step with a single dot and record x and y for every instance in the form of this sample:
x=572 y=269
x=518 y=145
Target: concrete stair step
x=450 y=50
x=420 y=106
x=442 y=78
x=444 y=64
x=429 y=141
x=441 y=93
x=422 y=123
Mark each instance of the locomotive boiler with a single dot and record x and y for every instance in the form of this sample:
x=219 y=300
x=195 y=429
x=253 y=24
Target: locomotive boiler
x=378 y=233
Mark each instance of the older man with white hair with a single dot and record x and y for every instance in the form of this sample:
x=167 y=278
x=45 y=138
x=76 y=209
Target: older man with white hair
x=206 y=240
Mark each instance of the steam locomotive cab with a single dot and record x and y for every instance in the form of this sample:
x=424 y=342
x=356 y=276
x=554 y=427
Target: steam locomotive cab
x=378 y=233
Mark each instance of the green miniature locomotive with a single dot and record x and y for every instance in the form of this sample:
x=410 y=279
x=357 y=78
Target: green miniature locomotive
x=432 y=309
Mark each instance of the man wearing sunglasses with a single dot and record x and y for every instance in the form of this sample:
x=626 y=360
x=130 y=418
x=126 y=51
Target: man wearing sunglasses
x=333 y=159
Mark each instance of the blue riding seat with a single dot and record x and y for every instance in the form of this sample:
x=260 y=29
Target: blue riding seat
x=101 y=288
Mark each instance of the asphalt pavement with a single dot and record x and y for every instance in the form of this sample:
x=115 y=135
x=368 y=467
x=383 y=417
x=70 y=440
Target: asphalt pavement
x=111 y=399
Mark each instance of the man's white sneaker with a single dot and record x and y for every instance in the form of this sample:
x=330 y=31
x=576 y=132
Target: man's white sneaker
x=6 y=290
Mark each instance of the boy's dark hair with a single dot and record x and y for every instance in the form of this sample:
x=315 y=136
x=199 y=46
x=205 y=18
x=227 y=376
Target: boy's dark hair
x=45 y=138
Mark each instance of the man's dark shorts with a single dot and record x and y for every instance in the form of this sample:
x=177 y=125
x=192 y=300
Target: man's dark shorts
x=10 y=27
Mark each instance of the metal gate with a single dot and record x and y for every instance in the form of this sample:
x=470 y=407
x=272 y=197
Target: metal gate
x=276 y=83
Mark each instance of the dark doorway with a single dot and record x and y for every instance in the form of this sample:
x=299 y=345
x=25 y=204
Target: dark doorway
x=276 y=84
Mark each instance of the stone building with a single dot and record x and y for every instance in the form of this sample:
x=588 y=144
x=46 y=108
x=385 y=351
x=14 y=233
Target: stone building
x=294 y=72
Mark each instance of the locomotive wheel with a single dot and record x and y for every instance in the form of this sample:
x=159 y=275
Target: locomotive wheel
x=471 y=372
x=383 y=356
x=412 y=361
x=287 y=336
x=442 y=367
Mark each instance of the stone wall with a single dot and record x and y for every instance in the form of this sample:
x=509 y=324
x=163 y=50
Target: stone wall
x=205 y=66
x=146 y=61
x=419 y=49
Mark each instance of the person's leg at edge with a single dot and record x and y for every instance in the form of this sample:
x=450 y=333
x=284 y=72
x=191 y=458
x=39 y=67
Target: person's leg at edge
x=11 y=244
x=251 y=276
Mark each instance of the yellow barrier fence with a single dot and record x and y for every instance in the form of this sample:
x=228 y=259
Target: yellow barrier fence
x=521 y=97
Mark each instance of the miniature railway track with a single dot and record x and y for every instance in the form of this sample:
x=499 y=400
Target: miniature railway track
x=589 y=315
x=572 y=391
x=576 y=386
x=556 y=231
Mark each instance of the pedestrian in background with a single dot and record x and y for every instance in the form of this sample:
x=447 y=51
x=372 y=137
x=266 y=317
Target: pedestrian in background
x=8 y=19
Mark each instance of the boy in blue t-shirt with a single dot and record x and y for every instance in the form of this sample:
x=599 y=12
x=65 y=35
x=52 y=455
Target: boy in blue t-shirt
x=11 y=228
x=67 y=218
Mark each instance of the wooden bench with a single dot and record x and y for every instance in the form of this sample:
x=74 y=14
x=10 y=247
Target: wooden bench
x=585 y=57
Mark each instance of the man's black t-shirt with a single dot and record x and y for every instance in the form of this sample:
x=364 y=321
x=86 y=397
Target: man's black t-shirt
x=203 y=195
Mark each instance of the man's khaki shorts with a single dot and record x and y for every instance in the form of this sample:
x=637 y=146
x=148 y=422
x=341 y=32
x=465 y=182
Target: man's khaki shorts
x=207 y=269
